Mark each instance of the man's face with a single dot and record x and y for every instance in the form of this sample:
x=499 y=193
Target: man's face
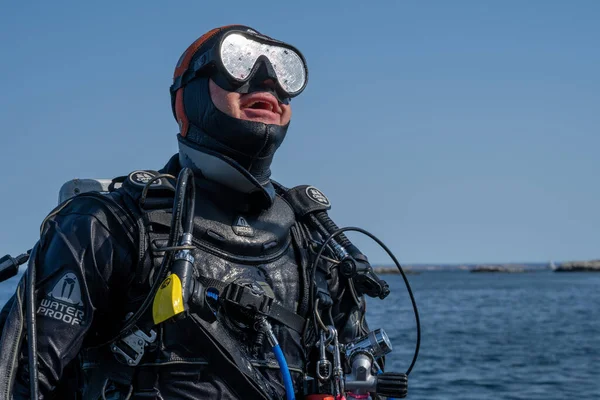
x=258 y=106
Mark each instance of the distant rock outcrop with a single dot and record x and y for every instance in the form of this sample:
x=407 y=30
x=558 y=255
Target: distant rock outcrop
x=579 y=266
x=394 y=270
x=567 y=266
x=498 y=268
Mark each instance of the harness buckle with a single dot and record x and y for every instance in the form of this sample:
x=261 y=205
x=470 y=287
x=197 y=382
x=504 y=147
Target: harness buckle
x=131 y=348
x=250 y=298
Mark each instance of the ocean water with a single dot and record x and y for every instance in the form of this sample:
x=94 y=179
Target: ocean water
x=491 y=336
x=496 y=336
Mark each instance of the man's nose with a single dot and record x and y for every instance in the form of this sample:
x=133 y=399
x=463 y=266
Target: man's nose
x=268 y=83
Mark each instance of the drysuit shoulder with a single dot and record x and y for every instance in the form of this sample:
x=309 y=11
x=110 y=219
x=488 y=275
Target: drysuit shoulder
x=99 y=199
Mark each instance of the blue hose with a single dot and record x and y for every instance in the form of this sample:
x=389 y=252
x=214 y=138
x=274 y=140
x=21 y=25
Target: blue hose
x=285 y=373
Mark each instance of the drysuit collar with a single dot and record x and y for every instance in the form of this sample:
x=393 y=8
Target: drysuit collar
x=224 y=178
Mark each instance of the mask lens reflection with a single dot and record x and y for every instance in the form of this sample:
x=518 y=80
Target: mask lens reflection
x=239 y=54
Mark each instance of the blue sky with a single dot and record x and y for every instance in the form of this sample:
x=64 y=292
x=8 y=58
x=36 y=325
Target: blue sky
x=463 y=131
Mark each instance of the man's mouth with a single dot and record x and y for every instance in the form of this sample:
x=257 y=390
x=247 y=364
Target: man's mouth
x=261 y=106
x=261 y=101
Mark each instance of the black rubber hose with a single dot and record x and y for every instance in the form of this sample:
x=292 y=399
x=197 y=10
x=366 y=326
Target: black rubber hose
x=330 y=226
x=178 y=208
x=303 y=263
x=188 y=190
x=9 y=266
x=31 y=327
x=389 y=252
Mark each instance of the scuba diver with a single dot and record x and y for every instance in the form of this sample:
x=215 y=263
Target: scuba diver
x=205 y=279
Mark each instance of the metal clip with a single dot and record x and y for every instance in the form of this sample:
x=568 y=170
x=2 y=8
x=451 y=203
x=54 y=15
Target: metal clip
x=131 y=348
x=338 y=371
x=323 y=365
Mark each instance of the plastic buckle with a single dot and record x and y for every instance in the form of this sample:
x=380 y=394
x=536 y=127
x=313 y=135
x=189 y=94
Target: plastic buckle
x=131 y=348
x=248 y=298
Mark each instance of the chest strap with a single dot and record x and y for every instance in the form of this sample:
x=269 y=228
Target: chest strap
x=254 y=299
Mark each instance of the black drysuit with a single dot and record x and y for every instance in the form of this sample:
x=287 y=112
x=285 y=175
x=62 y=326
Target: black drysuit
x=90 y=277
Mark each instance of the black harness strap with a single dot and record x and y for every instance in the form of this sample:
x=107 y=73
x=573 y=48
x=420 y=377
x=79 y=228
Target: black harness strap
x=306 y=201
x=226 y=356
x=264 y=304
x=287 y=317
x=143 y=267
x=145 y=383
x=107 y=371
